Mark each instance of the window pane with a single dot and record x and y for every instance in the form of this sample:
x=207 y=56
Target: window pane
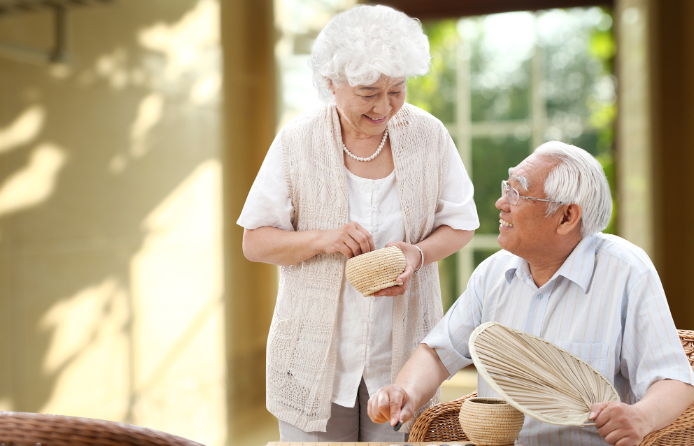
x=480 y=255
x=436 y=92
x=578 y=47
x=491 y=158
x=448 y=276
x=500 y=47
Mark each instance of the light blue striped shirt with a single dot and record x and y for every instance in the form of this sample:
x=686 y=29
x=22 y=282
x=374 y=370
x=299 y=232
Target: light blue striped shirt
x=605 y=305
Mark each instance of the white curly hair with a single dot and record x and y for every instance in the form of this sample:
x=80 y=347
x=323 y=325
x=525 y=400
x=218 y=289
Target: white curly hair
x=360 y=45
x=577 y=178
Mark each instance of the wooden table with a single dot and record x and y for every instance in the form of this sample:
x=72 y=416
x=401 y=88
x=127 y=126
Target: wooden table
x=278 y=443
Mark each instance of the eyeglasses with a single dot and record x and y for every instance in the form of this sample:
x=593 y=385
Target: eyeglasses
x=513 y=195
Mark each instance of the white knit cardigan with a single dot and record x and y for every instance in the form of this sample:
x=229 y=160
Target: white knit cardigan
x=300 y=352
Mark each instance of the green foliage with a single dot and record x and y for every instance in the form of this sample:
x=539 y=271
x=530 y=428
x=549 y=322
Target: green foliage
x=436 y=91
x=491 y=158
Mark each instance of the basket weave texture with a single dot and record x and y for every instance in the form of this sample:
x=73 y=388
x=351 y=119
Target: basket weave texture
x=440 y=423
x=490 y=421
x=569 y=373
x=375 y=270
x=29 y=429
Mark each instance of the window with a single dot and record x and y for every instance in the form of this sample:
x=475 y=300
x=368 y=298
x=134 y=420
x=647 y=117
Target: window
x=505 y=83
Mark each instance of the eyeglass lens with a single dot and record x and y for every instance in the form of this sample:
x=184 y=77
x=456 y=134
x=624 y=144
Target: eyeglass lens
x=511 y=193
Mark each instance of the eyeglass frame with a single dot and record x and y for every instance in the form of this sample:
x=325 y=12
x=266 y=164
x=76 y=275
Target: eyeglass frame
x=507 y=188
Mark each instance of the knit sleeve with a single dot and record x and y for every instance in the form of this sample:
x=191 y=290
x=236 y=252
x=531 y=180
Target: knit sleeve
x=268 y=203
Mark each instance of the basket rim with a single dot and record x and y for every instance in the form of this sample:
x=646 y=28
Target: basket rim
x=482 y=370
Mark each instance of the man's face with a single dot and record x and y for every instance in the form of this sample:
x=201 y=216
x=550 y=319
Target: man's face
x=524 y=230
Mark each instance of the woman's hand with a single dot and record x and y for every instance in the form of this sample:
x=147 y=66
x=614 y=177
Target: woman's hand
x=413 y=261
x=351 y=240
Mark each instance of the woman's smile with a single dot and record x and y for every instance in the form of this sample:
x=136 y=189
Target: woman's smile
x=376 y=120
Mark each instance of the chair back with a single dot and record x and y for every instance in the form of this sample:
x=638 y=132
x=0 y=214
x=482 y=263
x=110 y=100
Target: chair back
x=687 y=340
x=29 y=429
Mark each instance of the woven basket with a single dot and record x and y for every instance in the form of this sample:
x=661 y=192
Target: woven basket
x=490 y=421
x=375 y=270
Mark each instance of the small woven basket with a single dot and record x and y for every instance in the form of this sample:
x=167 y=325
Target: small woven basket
x=375 y=270
x=490 y=421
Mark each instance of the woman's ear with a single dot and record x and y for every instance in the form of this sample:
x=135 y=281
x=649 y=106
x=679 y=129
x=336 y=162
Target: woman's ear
x=570 y=218
x=331 y=86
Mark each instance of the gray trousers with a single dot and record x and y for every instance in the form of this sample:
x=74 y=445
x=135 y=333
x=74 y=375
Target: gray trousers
x=346 y=424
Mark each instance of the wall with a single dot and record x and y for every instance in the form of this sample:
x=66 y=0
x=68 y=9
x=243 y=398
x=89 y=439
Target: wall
x=672 y=71
x=111 y=271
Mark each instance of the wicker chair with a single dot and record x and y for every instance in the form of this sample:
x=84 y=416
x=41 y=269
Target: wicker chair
x=30 y=429
x=439 y=423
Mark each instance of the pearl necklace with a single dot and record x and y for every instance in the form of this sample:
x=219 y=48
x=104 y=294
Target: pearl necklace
x=359 y=158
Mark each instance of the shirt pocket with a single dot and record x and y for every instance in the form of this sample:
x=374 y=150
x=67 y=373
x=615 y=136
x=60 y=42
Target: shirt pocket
x=597 y=355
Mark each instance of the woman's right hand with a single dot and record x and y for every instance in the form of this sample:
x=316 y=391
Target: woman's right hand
x=351 y=240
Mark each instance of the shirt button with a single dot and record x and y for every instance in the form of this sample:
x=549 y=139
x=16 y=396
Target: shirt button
x=366 y=363
x=375 y=229
x=374 y=209
x=375 y=186
x=539 y=296
x=369 y=319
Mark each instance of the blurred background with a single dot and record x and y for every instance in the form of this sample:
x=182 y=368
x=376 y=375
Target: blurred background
x=132 y=130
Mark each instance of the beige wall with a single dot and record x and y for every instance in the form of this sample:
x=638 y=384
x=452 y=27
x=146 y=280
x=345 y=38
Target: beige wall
x=111 y=255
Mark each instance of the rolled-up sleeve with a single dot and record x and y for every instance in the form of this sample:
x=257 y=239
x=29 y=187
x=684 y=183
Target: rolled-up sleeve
x=451 y=335
x=456 y=207
x=268 y=203
x=651 y=349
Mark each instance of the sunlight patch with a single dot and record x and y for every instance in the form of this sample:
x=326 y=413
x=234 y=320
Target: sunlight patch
x=24 y=129
x=34 y=183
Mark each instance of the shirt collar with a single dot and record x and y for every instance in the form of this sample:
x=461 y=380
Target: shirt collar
x=578 y=267
x=516 y=266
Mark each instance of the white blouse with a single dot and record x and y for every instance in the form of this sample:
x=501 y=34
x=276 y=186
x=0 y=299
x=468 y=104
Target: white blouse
x=363 y=337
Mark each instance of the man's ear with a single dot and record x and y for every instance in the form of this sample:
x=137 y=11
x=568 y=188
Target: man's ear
x=331 y=85
x=569 y=218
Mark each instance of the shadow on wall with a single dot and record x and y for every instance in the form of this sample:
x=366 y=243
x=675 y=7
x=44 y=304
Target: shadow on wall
x=110 y=219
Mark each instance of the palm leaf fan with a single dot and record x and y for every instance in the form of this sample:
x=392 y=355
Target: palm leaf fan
x=537 y=377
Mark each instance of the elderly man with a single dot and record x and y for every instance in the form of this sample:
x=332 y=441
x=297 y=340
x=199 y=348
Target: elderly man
x=558 y=277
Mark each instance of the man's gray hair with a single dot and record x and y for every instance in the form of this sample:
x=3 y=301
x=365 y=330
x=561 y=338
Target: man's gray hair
x=578 y=178
x=360 y=45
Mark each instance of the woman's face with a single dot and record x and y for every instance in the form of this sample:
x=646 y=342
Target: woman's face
x=366 y=109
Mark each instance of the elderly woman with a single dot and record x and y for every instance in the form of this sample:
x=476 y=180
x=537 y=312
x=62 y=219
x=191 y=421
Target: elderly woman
x=362 y=172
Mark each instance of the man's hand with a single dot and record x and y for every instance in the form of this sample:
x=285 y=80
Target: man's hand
x=620 y=424
x=390 y=403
